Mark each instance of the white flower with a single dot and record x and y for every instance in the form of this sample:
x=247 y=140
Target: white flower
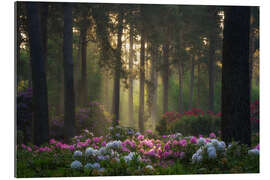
x=138 y=133
x=201 y=142
x=149 y=167
x=101 y=158
x=114 y=153
x=221 y=146
x=129 y=157
x=90 y=152
x=209 y=145
x=88 y=166
x=102 y=151
x=214 y=142
x=254 y=152
x=96 y=165
x=212 y=154
x=76 y=165
x=114 y=145
x=197 y=157
x=77 y=154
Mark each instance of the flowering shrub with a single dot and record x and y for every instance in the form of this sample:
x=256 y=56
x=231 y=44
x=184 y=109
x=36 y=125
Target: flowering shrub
x=93 y=117
x=24 y=115
x=120 y=133
x=254 y=116
x=138 y=154
x=193 y=122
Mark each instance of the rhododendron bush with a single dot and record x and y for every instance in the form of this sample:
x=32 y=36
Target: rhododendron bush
x=197 y=122
x=193 y=122
x=133 y=153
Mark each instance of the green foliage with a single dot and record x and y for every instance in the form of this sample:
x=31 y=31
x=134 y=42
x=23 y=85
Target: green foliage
x=93 y=117
x=189 y=124
x=195 y=125
x=120 y=133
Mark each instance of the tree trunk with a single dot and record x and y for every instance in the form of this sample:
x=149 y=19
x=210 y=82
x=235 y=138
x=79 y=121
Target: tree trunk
x=199 y=87
x=44 y=22
x=69 y=116
x=142 y=79
x=211 y=72
x=180 y=79
x=191 y=85
x=165 y=76
x=84 y=91
x=106 y=91
x=76 y=73
x=40 y=96
x=118 y=66
x=235 y=124
x=153 y=91
x=130 y=90
x=251 y=50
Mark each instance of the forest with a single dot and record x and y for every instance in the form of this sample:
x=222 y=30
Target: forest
x=136 y=89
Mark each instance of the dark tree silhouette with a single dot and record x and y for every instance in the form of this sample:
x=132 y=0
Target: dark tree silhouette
x=130 y=90
x=69 y=116
x=118 y=66
x=44 y=22
x=40 y=96
x=235 y=76
x=142 y=79
x=165 y=77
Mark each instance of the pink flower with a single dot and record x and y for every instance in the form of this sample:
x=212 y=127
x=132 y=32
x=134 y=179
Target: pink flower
x=88 y=141
x=150 y=153
x=175 y=142
x=258 y=147
x=72 y=147
x=140 y=137
x=141 y=150
x=183 y=142
x=149 y=131
x=52 y=141
x=96 y=139
x=24 y=146
x=103 y=143
x=212 y=135
x=193 y=140
x=124 y=148
x=59 y=145
x=29 y=149
x=167 y=146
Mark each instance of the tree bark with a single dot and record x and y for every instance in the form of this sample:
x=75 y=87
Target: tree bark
x=153 y=91
x=118 y=66
x=69 y=116
x=84 y=94
x=130 y=90
x=211 y=72
x=191 y=85
x=44 y=22
x=142 y=79
x=76 y=72
x=40 y=96
x=251 y=50
x=180 y=79
x=165 y=76
x=235 y=124
x=199 y=87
